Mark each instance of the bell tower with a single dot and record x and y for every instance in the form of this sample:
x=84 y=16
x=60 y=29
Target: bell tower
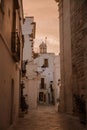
x=43 y=47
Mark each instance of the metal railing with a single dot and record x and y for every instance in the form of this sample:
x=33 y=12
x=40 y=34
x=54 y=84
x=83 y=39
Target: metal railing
x=15 y=46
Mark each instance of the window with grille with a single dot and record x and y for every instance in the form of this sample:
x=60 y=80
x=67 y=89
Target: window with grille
x=46 y=62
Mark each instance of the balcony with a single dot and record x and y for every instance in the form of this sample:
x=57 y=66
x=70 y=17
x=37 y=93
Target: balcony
x=15 y=46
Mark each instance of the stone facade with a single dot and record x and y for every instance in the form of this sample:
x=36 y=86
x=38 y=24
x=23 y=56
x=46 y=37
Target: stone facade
x=56 y=78
x=65 y=57
x=73 y=52
x=79 y=46
x=11 y=18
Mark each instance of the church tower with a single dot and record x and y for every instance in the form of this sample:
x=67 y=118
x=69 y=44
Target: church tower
x=43 y=47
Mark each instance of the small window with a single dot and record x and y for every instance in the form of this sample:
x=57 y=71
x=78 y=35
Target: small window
x=42 y=83
x=2 y=5
x=46 y=62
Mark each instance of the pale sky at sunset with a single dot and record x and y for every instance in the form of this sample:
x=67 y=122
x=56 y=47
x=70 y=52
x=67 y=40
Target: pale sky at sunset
x=45 y=14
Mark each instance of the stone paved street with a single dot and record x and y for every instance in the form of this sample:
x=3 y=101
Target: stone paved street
x=47 y=118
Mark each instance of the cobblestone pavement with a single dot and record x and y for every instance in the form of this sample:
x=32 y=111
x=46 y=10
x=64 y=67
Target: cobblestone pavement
x=47 y=118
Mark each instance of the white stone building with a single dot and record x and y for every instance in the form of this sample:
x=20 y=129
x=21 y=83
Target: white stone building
x=31 y=82
x=39 y=79
x=28 y=30
x=45 y=77
x=45 y=69
x=29 y=79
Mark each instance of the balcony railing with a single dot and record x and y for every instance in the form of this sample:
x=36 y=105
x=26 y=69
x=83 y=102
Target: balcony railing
x=15 y=46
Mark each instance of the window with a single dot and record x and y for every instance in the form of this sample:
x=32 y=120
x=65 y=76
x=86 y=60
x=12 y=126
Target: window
x=2 y=5
x=42 y=83
x=46 y=62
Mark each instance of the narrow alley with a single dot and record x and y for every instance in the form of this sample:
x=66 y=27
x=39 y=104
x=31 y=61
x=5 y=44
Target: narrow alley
x=47 y=118
x=43 y=64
